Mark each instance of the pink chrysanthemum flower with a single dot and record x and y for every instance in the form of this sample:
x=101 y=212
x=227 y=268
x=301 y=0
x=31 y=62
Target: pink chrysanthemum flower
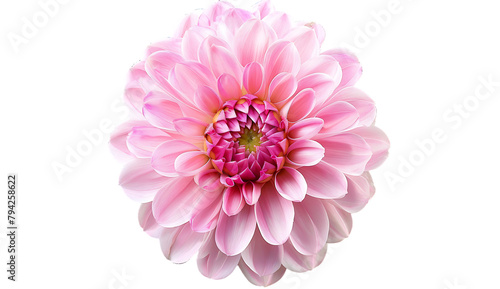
x=248 y=145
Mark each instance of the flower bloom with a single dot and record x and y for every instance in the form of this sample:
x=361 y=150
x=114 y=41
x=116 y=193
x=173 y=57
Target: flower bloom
x=248 y=147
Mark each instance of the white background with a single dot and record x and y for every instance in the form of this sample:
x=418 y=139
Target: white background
x=437 y=229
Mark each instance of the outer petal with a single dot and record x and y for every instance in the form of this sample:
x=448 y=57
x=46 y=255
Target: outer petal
x=179 y=244
x=362 y=102
x=359 y=191
x=252 y=41
x=322 y=84
x=233 y=233
x=347 y=152
x=233 y=201
x=176 y=203
x=351 y=68
x=191 y=163
x=282 y=87
x=190 y=127
x=338 y=117
x=297 y=262
x=223 y=61
x=140 y=182
x=324 y=181
x=160 y=111
x=305 y=153
x=310 y=227
x=320 y=64
x=378 y=142
x=192 y=40
x=279 y=22
x=262 y=257
x=282 y=56
x=205 y=220
x=305 y=129
x=274 y=215
x=118 y=139
x=143 y=140
x=255 y=279
x=340 y=222
x=305 y=40
x=291 y=184
x=300 y=106
x=148 y=222
x=163 y=159
x=214 y=264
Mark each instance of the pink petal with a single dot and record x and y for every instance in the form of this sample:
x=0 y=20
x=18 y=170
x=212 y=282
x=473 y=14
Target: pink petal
x=188 y=22
x=279 y=22
x=359 y=191
x=251 y=192
x=209 y=180
x=320 y=64
x=340 y=222
x=223 y=61
x=338 y=117
x=191 y=163
x=252 y=41
x=301 y=105
x=322 y=84
x=258 y=280
x=274 y=215
x=310 y=227
x=305 y=129
x=188 y=126
x=253 y=77
x=204 y=53
x=160 y=111
x=305 y=153
x=148 y=222
x=140 y=182
x=171 y=45
x=265 y=8
x=362 y=102
x=347 y=152
x=229 y=88
x=159 y=64
x=324 y=181
x=262 y=257
x=305 y=40
x=143 y=140
x=290 y=184
x=163 y=159
x=378 y=142
x=118 y=139
x=207 y=100
x=282 y=87
x=297 y=262
x=179 y=244
x=192 y=40
x=282 y=56
x=214 y=264
x=351 y=68
x=205 y=219
x=233 y=201
x=186 y=77
x=176 y=203
x=233 y=233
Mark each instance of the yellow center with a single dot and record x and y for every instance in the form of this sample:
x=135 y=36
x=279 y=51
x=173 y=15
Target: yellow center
x=250 y=139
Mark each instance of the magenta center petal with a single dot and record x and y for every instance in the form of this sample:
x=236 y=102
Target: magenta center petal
x=247 y=140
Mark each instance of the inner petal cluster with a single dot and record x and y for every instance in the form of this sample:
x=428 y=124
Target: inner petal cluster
x=246 y=141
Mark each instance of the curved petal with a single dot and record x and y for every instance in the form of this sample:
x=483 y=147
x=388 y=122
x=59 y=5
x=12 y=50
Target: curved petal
x=232 y=200
x=320 y=64
x=233 y=233
x=282 y=87
x=310 y=227
x=351 y=68
x=262 y=257
x=148 y=222
x=214 y=264
x=347 y=152
x=207 y=99
x=190 y=127
x=360 y=100
x=159 y=64
x=118 y=139
x=300 y=106
x=179 y=244
x=280 y=22
x=258 y=280
x=252 y=41
x=338 y=117
x=324 y=181
x=192 y=39
x=274 y=215
x=253 y=77
x=186 y=77
x=191 y=163
x=143 y=140
x=229 y=88
x=305 y=153
x=140 y=182
x=360 y=190
x=291 y=184
x=378 y=142
x=305 y=40
x=209 y=180
x=164 y=156
x=282 y=56
x=340 y=222
x=322 y=84
x=305 y=129
x=297 y=262
x=205 y=220
x=176 y=203
x=223 y=61
x=251 y=192
x=160 y=111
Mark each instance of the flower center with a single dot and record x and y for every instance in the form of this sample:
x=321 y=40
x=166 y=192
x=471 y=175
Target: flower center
x=246 y=141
